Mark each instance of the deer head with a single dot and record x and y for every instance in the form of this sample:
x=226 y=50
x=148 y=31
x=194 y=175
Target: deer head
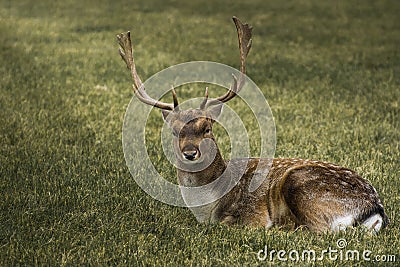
x=194 y=141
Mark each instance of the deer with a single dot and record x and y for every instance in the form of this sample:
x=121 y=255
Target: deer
x=294 y=192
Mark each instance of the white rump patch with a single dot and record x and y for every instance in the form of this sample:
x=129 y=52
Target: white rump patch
x=341 y=223
x=373 y=223
x=269 y=224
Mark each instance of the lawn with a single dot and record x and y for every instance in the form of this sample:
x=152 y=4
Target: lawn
x=329 y=70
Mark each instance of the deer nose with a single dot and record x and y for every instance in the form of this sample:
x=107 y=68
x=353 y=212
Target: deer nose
x=190 y=154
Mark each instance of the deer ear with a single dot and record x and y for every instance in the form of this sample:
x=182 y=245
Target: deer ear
x=166 y=115
x=216 y=111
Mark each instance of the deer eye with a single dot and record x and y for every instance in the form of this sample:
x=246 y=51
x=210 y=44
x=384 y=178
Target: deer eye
x=207 y=131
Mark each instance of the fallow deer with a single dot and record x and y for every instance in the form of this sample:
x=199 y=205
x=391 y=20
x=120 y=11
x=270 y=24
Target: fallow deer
x=295 y=192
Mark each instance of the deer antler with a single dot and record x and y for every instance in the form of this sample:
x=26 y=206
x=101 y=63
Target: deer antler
x=245 y=41
x=244 y=37
x=125 y=50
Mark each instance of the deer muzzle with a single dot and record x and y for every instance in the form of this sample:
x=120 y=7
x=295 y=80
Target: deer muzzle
x=190 y=152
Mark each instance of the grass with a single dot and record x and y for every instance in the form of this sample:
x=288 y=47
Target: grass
x=329 y=70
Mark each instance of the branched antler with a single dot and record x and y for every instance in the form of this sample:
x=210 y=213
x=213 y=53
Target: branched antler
x=244 y=37
x=245 y=41
x=125 y=50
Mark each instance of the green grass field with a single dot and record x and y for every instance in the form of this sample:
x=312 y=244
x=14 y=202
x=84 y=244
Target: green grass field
x=329 y=70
